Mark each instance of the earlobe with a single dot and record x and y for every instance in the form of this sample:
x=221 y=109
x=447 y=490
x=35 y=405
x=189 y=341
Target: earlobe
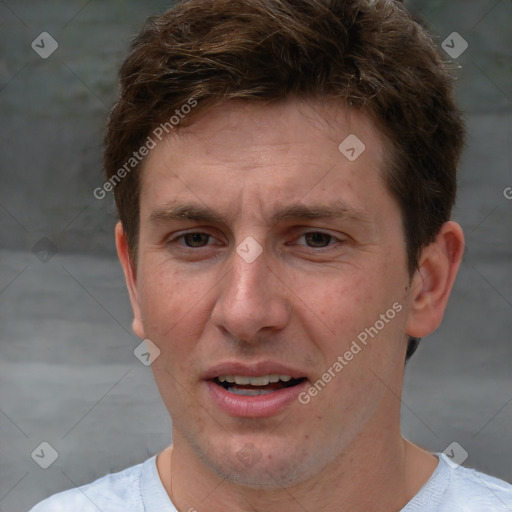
x=433 y=281
x=131 y=279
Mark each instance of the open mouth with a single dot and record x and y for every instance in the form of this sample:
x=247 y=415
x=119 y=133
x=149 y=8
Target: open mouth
x=255 y=386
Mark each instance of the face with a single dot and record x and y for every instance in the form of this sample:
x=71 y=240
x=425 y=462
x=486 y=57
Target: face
x=265 y=254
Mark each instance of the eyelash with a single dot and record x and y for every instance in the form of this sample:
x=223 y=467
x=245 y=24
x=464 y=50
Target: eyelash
x=174 y=241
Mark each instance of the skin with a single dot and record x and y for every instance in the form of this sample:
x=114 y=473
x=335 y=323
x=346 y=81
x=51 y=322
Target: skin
x=301 y=302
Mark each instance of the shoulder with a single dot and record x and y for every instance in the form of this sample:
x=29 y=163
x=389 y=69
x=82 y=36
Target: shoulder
x=454 y=488
x=116 y=492
x=478 y=491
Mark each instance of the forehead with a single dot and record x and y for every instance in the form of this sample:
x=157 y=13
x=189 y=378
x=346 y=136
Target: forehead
x=283 y=151
x=301 y=122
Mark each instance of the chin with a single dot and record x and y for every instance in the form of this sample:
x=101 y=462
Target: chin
x=269 y=468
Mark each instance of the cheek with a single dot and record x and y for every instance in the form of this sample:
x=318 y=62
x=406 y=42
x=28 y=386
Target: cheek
x=344 y=303
x=170 y=304
x=354 y=315
x=172 y=308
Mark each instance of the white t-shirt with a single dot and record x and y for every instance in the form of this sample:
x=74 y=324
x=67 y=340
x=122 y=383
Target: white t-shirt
x=451 y=488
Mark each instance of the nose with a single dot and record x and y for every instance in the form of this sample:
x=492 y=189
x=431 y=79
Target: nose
x=252 y=299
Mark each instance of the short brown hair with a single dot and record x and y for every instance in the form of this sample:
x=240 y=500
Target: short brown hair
x=368 y=54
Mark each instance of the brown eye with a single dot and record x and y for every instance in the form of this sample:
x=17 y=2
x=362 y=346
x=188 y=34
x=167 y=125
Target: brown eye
x=195 y=239
x=317 y=239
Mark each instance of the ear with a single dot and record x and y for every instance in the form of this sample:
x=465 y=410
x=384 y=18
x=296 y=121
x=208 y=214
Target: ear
x=433 y=281
x=130 y=275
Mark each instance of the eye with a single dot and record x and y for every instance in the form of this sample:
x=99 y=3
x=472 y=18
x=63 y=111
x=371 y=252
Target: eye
x=192 y=240
x=318 y=239
x=197 y=240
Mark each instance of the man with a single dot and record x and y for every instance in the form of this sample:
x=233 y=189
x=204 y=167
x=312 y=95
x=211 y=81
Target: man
x=284 y=172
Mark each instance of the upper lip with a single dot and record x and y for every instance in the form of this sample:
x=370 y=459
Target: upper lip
x=254 y=369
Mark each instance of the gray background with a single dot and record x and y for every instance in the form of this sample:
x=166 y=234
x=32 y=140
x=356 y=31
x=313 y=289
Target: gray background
x=68 y=375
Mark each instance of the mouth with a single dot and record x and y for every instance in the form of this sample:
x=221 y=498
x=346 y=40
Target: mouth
x=260 y=390
x=256 y=385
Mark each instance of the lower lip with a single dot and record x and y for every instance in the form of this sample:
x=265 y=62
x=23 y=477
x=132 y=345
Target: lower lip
x=260 y=406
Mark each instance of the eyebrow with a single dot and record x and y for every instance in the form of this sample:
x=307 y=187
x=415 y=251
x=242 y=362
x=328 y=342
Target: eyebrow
x=176 y=210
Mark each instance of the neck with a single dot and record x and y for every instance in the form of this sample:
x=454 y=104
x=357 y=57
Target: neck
x=379 y=472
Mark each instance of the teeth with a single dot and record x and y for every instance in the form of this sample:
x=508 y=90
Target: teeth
x=249 y=392
x=262 y=380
